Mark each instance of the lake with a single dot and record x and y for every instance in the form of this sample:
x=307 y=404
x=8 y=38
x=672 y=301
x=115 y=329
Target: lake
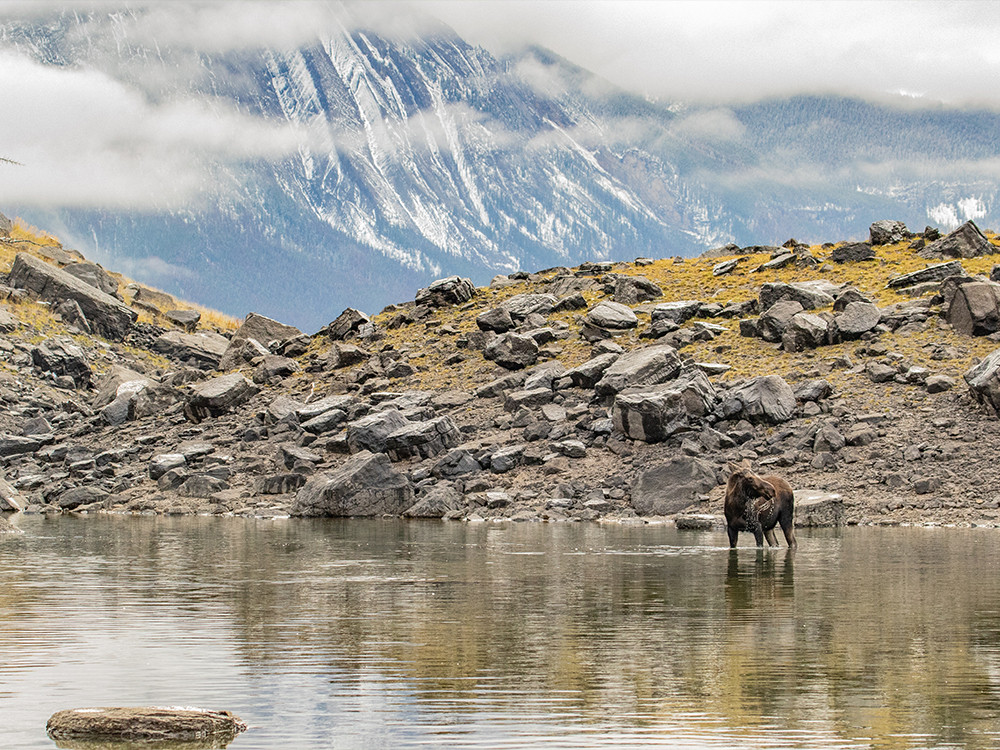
x=390 y=634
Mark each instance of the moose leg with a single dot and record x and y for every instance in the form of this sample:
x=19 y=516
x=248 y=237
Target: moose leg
x=733 y=533
x=771 y=539
x=758 y=534
x=788 y=528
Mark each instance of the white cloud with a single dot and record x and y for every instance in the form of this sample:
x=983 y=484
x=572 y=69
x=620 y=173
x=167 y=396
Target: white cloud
x=87 y=140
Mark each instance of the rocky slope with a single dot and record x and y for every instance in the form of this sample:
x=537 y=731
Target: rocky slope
x=861 y=372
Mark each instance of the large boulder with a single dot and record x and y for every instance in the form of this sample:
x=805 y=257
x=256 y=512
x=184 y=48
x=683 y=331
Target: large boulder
x=804 y=331
x=611 y=316
x=857 y=318
x=975 y=308
x=765 y=399
x=852 y=252
x=108 y=316
x=587 y=374
x=776 y=318
x=365 y=485
x=673 y=486
x=984 y=381
x=641 y=367
x=887 y=232
x=104 y=727
x=260 y=329
x=809 y=294
x=137 y=398
x=93 y=274
x=60 y=356
x=679 y=311
x=512 y=350
x=965 y=242
x=348 y=322
x=443 y=292
x=423 y=439
x=630 y=290
x=653 y=415
x=218 y=396
x=371 y=431
x=203 y=350
x=441 y=499
x=937 y=272
x=520 y=306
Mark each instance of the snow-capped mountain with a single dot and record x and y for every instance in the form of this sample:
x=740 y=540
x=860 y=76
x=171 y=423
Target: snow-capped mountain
x=418 y=155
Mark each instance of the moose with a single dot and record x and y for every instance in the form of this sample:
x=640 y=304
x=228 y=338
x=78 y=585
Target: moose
x=757 y=504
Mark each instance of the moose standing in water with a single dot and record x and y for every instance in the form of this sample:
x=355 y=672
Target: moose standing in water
x=757 y=504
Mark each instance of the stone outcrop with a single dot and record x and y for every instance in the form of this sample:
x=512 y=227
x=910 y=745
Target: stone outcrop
x=93 y=274
x=975 y=308
x=365 y=485
x=765 y=399
x=641 y=367
x=887 y=232
x=965 y=242
x=144 y=725
x=259 y=328
x=108 y=316
x=655 y=414
x=673 y=486
x=218 y=396
x=443 y=292
x=512 y=350
x=203 y=350
x=984 y=381
x=937 y=272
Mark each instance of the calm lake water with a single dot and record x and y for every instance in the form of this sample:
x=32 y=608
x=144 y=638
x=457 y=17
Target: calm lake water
x=385 y=634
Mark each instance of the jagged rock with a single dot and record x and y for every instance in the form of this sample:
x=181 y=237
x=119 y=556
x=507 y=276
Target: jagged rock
x=218 y=396
x=804 y=331
x=765 y=399
x=587 y=374
x=965 y=242
x=495 y=319
x=846 y=296
x=325 y=422
x=630 y=290
x=443 y=292
x=77 y=496
x=939 y=383
x=571 y=448
x=456 y=462
x=10 y=498
x=575 y=301
x=879 y=372
x=544 y=375
x=258 y=328
x=164 y=462
x=983 y=381
x=520 y=306
x=370 y=432
x=71 y=314
x=290 y=456
x=654 y=414
x=348 y=322
x=280 y=484
x=776 y=318
x=142 y=725
x=150 y=299
x=107 y=315
x=975 y=308
x=506 y=458
x=828 y=439
x=203 y=350
x=15 y=445
x=527 y=398
x=852 y=252
x=725 y=267
x=61 y=356
x=283 y=409
x=186 y=319
x=423 y=439
x=611 y=316
x=679 y=311
x=857 y=318
x=641 y=367
x=887 y=232
x=512 y=350
x=274 y=369
x=937 y=272
x=673 y=486
x=809 y=294
x=779 y=261
x=93 y=274
x=438 y=501
x=365 y=485
x=8 y=323
x=813 y=390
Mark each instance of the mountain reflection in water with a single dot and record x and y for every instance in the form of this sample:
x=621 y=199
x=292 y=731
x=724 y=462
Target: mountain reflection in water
x=369 y=634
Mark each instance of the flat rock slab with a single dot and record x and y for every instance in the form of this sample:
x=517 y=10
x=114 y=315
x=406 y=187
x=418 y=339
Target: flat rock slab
x=814 y=509
x=144 y=724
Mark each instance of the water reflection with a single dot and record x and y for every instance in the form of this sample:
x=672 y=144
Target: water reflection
x=335 y=633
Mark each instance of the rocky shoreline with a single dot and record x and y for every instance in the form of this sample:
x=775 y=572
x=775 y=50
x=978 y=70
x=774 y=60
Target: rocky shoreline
x=862 y=372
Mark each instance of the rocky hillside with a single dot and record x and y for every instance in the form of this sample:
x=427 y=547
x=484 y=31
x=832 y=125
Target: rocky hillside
x=862 y=372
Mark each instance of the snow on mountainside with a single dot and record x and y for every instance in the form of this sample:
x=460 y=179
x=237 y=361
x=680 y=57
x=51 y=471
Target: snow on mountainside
x=419 y=156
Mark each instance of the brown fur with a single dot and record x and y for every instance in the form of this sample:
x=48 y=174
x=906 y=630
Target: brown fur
x=757 y=504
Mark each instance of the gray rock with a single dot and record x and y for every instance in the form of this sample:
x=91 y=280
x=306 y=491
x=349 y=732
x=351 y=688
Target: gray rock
x=512 y=350
x=348 y=322
x=203 y=350
x=679 y=311
x=77 y=496
x=495 y=319
x=852 y=252
x=438 y=501
x=828 y=439
x=369 y=433
x=587 y=374
x=879 y=372
x=365 y=485
x=70 y=313
x=641 y=367
x=527 y=399
x=571 y=448
x=813 y=390
x=290 y=456
x=611 y=316
x=259 y=328
x=765 y=399
x=107 y=315
x=857 y=318
x=653 y=415
x=630 y=290
x=776 y=318
x=520 y=306
x=804 y=331
x=164 y=462
x=423 y=439
x=186 y=319
x=975 y=308
x=10 y=498
x=887 y=232
x=965 y=242
x=939 y=383
x=61 y=356
x=281 y=484
x=506 y=458
x=95 y=276
x=809 y=294
x=937 y=272
x=780 y=261
x=8 y=322
x=274 y=369
x=326 y=422
x=218 y=396
x=456 y=462
x=673 y=486
x=15 y=445
x=201 y=486
x=444 y=292
x=818 y=509
x=984 y=381
x=725 y=267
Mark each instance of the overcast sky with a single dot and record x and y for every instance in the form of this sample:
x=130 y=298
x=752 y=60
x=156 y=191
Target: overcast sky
x=80 y=129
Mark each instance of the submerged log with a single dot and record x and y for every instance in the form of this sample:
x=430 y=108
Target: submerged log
x=144 y=724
